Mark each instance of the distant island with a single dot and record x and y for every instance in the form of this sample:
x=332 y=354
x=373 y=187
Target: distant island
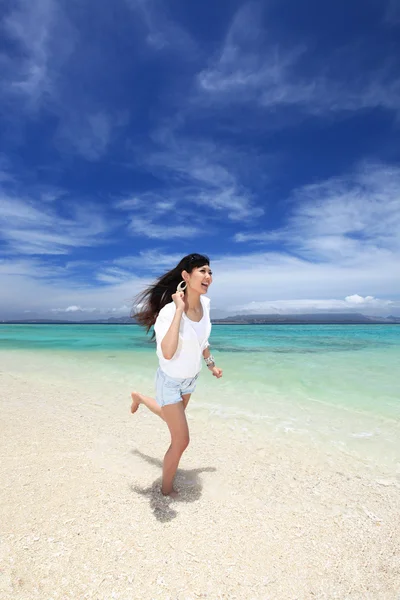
x=307 y=319
x=245 y=319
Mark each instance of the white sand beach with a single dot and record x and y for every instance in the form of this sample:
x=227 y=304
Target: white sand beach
x=258 y=518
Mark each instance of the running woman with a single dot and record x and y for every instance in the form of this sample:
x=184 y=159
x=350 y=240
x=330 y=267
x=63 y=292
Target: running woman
x=178 y=309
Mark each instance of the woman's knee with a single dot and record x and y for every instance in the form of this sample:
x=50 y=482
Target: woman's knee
x=181 y=443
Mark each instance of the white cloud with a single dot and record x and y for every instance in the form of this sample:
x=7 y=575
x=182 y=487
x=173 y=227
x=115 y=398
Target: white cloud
x=349 y=218
x=52 y=72
x=146 y=228
x=29 y=289
x=204 y=175
x=86 y=312
x=113 y=274
x=130 y=203
x=346 y=220
x=46 y=39
x=28 y=226
x=89 y=132
x=274 y=276
x=162 y=33
x=27 y=268
x=148 y=260
x=252 y=67
x=94 y=135
x=153 y=216
x=249 y=281
x=349 y=304
x=357 y=300
x=257 y=236
x=73 y=309
x=235 y=204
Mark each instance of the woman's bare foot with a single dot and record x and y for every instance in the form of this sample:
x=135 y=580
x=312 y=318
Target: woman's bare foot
x=135 y=402
x=172 y=494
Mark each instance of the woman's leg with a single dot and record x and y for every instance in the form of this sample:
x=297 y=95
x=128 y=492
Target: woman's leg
x=151 y=403
x=185 y=400
x=174 y=416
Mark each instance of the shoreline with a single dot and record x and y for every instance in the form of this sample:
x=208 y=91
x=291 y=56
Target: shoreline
x=259 y=517
x=240 y=323
x=333 y=428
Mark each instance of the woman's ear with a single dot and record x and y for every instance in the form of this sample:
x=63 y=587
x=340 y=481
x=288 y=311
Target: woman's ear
x=185 y=275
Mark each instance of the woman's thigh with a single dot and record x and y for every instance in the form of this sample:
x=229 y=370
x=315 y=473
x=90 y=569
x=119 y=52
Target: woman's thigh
x=174 y=416
x=185 y=400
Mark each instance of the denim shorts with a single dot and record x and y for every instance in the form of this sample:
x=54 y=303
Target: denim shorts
x=170 y=390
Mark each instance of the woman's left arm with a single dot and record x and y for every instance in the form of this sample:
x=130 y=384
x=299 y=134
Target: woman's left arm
x=216 y=371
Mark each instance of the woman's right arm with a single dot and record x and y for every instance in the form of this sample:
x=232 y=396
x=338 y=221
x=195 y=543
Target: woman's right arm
x=170 y=341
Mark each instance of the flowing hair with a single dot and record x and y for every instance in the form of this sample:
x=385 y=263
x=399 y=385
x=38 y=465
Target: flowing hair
x=148 y=303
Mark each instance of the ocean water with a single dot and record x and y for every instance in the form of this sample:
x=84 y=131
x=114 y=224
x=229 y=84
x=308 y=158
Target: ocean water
x=339 y=384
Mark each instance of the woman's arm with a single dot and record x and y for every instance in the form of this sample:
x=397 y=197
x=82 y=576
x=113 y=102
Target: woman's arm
x=170 y=341
x=211 y=367
x=206 y=352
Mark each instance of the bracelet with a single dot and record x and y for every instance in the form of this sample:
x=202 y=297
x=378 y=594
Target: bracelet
x=210 y=362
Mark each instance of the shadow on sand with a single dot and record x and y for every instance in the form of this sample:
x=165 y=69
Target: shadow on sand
x=187 y=483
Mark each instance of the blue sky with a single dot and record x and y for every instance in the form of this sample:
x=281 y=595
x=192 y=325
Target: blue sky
x=264 y=134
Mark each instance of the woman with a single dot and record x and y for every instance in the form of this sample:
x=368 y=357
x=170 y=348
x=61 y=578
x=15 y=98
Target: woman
x=182 y=328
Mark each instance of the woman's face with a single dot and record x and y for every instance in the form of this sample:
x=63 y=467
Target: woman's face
x=199 y=279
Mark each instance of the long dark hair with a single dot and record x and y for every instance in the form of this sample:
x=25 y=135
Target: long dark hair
x=148 y=303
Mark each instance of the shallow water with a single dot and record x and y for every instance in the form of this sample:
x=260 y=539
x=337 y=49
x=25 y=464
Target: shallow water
x=333 y=383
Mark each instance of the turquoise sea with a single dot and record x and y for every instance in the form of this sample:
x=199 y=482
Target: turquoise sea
x=340 y=384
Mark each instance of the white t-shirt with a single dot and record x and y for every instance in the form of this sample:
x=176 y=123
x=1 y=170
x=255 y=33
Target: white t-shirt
x=193 y=339
x=200 y=327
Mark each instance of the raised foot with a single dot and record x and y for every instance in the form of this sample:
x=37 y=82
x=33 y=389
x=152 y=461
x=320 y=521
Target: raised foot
x=135 y=402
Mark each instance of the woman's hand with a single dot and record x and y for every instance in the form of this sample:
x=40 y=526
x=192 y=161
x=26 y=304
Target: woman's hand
x=178 y=299
x=216 y=372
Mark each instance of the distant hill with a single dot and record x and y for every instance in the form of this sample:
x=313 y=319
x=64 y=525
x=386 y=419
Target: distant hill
x=309 y=319
x=245 y=319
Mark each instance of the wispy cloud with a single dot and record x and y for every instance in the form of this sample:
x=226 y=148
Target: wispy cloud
x=75 y=76
x=111 y=274
x=149 y=260
x=162 y=33
x=202 y=174
x=253 y=281
x=153 y=216
x=35 y=285
x=27 y=227
x=88 y=131
x=271 y=277
x=45 y=38
x=159 y=231
x=343 y=219
x=392 y=13
x=29 y=268
x=254 y=67
x=48 y=70
x=354 y=303
x=73 y=309
x=90 y=312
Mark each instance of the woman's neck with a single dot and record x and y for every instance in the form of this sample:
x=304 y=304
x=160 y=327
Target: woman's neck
x=192 y=301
